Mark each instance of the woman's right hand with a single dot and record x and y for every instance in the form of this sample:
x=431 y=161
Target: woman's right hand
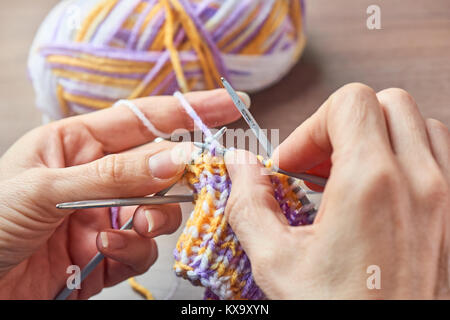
x=384 y=217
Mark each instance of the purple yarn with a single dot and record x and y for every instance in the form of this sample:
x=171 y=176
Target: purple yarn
x=232 y=19
x=117 y=35
x=206 y=36
x=201 y=271
x=253 y=34
x=132 y=76
x=131 y=43
x=158 y=24
x=121 y=21
x=100 y=24
x=114 y=213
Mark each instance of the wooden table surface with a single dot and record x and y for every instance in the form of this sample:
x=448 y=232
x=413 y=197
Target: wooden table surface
x=411 y=51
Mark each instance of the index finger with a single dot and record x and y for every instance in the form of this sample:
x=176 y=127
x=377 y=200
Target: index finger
x=119 y=129
x=351 y=121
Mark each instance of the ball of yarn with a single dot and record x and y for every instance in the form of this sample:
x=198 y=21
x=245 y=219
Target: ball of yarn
x=88 y=54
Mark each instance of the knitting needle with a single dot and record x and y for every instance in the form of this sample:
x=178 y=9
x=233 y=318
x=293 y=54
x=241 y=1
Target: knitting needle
x=262 y=137
x=218 y=134
x=302 y=176
x=89 y=204
x=248 y=117
x=209 y=140
x=92 y=264
x=107 y=203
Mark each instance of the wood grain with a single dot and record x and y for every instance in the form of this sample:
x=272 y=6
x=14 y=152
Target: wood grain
x=411 y=51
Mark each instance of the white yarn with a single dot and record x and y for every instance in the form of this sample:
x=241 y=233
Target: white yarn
x=247 y=72
x=142 y=117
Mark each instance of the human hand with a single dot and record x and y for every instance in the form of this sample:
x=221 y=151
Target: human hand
x=386 y=203
x=92 y=156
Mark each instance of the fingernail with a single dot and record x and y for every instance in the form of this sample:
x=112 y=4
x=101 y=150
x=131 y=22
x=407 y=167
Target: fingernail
x=155 y=219
x=246 y=98
x=104 y=239
x=166 y=164
x=112 y=240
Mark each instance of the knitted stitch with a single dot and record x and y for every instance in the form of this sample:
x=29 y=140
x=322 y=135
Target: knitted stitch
x=208 y=252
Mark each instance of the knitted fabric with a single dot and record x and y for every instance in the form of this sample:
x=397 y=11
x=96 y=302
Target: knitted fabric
x=208 y=253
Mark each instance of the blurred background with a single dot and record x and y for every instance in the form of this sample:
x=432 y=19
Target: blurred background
x=411 y=51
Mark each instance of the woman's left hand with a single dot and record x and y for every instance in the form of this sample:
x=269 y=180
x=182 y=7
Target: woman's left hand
x=91 y=156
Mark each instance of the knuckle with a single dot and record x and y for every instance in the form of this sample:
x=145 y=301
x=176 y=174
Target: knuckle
x=435 y=190
x=50 y=132
x=184 y=119
x=355 y=99
x=263 y=260
x=398 y=94
x=54 y=127
x=235 y=207
x=150 y=258
x=39 y=179
x=355 y=89
x=110 y=169
x=436 y=125
x=382 y=179
x=62 y=128
x=380 y=182
x=145 y=133
x=175 y=218
x=241 y=206
x=36 y=180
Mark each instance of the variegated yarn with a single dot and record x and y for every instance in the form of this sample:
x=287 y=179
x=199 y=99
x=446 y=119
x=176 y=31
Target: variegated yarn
x=88 y=54
x=208 y=253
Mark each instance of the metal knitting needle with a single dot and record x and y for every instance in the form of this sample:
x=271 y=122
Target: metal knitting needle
x=248 y=117
x=126 y=202
x=263 y=139
x=302 y=176
x=218 y=134
x=92 y=264
x=209 y=140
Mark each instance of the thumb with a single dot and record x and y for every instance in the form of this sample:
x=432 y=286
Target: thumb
x=117 y=175
x=252 y=210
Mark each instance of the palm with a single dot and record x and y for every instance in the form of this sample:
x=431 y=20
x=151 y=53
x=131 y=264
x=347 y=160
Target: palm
x=81 y=245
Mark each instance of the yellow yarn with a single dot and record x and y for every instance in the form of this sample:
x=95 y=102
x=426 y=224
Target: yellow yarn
x=140 y=289
x=207 y=252
x=158 y=47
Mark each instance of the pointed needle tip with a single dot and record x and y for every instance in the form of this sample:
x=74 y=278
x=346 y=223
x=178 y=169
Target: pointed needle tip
x=222 y=130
